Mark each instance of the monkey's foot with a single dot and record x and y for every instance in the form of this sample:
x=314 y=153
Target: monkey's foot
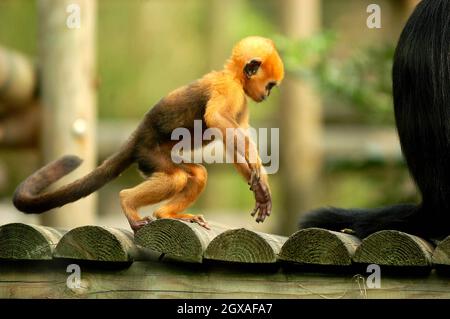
x=199 y=219
x=138 y=224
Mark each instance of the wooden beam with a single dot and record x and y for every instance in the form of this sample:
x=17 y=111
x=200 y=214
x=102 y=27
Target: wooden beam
x=394 y=248
x=315 y=246
x=28 y=242
x=245 y=246
x=177 y=239
x=354 y=142
x=441 y=255
x=18 y=80
x=21 y=129
x=68 y=90
x=153 y=279
x=340 y=143
x=97 y=243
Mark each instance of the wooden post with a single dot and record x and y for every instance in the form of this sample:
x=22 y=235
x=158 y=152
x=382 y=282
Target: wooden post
x=301 y=116
x=68 y=70
x=219 y=33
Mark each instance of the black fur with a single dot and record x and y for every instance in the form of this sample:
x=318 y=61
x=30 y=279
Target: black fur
x=421 y=85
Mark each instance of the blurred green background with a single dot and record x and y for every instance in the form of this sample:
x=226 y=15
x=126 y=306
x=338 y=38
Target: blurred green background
x=148 y=48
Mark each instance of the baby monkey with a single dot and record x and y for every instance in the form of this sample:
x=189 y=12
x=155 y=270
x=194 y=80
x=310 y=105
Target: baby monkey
x=218 y=99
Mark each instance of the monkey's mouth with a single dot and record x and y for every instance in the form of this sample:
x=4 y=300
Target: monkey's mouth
x=258 y=99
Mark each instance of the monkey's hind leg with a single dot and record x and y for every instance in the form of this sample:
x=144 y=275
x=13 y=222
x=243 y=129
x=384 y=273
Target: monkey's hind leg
x=160 y=186
x=176 y=205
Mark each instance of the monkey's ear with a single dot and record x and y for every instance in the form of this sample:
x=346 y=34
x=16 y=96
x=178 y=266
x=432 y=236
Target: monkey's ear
x=251 y=67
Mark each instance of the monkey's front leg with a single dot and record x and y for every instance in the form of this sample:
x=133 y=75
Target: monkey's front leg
x=263 y=198
x=257 y=179
x=243 y=161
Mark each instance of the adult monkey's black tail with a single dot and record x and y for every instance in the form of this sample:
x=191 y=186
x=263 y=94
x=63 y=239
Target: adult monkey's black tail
x=421 y=85
x=29 y=198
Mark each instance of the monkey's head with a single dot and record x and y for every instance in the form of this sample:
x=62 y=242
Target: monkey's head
x=257 y=64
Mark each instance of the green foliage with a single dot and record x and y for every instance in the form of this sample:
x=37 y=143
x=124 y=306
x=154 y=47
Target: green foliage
x=363 y=80
x=17 y=25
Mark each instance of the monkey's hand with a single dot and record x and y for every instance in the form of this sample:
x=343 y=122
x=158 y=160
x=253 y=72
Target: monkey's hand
x=263 y=205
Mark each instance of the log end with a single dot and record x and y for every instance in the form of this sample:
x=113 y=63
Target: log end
x=394 y=248
x=315 y=246
x=95 y=243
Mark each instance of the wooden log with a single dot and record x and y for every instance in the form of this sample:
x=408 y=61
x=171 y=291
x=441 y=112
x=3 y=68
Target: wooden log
x=315 y=246
x=28 y=242
x=245 y=246
x=177 y=239
x=356 y=143
x=441 y=255
x=394 y=248
x=97 y=243
x=18 y=80
x=112 y=133
x=152 y=279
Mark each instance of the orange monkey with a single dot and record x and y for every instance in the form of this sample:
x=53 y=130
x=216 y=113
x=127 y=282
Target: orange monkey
x=219 y=100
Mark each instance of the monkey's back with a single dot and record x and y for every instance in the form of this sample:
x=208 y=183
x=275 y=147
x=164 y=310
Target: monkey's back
x=179 y=109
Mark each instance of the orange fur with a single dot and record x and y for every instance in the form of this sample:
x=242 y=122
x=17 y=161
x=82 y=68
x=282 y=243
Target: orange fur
x=219 y=100
x=226 y=108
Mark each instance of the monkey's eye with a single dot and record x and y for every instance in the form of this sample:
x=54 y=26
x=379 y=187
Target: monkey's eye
x=270 y=85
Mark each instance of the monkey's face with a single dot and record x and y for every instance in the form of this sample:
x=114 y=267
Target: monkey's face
x=259 y=65
x=260 y=77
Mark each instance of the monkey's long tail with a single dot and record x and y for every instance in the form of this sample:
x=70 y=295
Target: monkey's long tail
x=29 y=198
x=405 y=217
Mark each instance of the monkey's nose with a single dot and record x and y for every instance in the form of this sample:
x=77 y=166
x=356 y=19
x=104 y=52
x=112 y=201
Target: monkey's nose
x=263 y=97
